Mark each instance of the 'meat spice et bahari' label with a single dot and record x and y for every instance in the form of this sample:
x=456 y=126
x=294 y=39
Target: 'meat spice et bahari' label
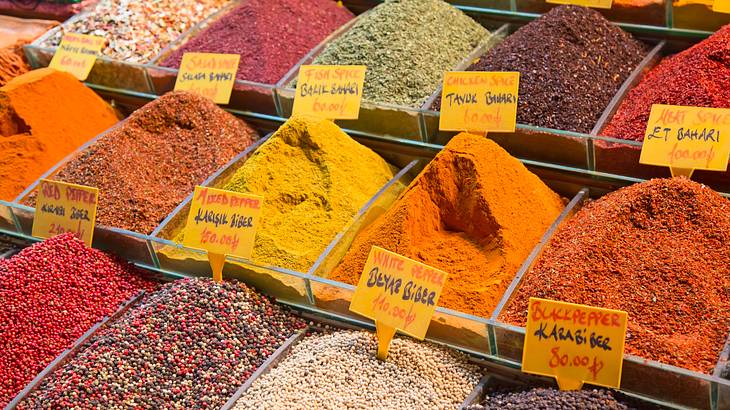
x=574 y=343
x=479 y=101
x=76 y=54
x=208 y=74
x=332 y=92
x=687 y=138
x=398 y=292
x=223 y=222
x=596 y=4
x=63 y=207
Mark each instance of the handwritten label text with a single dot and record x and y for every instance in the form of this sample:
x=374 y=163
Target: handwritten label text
x=77 y=54
x=331 y=92
x=62 y=207
x=208 y=74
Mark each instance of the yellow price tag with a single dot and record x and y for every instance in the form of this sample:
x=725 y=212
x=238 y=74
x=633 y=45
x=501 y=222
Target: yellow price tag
x=687 y=138
x=63 y=207
x=208 y=74
x=721 y=6
x=479 y=101
x=331 y=92
x=574 y=343
x=76 y=54
x=398 y=293
x=596 y=4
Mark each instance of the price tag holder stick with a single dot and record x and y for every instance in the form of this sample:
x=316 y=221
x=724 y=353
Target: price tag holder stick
x=217 y=260
x=405 y=303
x=676 y=172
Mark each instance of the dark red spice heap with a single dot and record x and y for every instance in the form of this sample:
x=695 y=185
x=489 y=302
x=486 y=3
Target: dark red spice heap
x=571 y=63
x=50 y=294
x=547 y=398
x=698 y=76
x=270 y=35
x=189 y=345
x=658 y=250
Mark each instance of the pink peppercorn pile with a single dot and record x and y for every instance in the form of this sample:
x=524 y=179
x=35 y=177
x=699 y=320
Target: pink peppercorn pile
x=50 y=294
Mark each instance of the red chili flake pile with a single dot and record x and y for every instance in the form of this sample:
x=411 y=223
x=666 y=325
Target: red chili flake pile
x=189 y=345
x=270 y=35
x=658 y=250
x=698 y=76
x=51 y=293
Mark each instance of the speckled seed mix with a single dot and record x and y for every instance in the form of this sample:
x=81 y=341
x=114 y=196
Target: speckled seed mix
x=571 y=63
x=190 y=345
x=545 y=398
x=145 y=167
x=138 y=30
x=339 y=371
x=406 y=45
x=50 y=294
x=271 y=36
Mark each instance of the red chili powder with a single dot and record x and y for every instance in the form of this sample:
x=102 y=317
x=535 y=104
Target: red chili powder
x=698 y=76
x=270 y=35
x=658 y=250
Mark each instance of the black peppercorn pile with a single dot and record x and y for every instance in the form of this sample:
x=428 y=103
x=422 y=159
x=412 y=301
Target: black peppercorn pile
x=571 y=62
x=189 y=345
x=544 y=398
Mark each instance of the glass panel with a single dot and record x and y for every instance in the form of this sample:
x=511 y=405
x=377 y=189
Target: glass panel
x=697 y=15
x=7 y=220
x=652 y=12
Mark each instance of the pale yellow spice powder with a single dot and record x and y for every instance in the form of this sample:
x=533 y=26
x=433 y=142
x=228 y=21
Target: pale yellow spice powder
x=314 y=178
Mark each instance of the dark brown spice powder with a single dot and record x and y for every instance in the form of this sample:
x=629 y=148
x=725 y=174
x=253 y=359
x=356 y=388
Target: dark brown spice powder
x=658 y=250
x=571 y=63
x=145 y=167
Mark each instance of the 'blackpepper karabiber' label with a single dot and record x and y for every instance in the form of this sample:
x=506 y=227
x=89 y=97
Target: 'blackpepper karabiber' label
x=574 y=343
x=331 y=92
x=63 y=207
x=479 y=101
x=223 y=222
x=208 y=74
x=687 y=138
x=76 y=54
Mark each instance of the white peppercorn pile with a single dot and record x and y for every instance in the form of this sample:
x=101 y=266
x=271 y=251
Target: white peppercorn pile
x=188 y=346
x=340 y=371
x=546 y=398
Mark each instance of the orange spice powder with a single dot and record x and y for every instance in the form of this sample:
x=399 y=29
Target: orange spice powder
x=474 y=212
x=44 y=116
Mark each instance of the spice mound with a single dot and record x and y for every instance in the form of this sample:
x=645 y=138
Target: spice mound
x=406 y=45
x=52 y=293
x=657 y=250
x=314 y=178
x=138 y=30
x=698 y=76
x=545 y=398
x=268 y=48
x=571 y=63
x=474 y=212
x=148 y=164
x=37 y=131
x=339 y=371
x=190 y=345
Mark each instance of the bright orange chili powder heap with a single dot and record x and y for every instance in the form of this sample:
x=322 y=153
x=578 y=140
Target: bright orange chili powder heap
x=474 y=212
x=44 y=116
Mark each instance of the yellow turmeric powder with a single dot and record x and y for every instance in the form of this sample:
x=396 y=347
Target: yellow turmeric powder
x=314 y=178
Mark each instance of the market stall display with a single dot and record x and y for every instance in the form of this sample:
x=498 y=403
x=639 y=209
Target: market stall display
x=14 y=33
x=52 y=293
x=474 y=212
x=44 y=9
x=190 y=343
x=44 y=116
x=149 y=163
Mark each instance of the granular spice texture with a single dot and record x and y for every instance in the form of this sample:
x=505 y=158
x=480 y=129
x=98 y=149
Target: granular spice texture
x=52 y=293
x=44 y=116
x=339 y=371
x=271 y=36
x=658 y=250
x=475 y=212
x=314 y=179
x=406 y=45
x=146 y=166
x=571 y=63
x=189 y=345
x=546 y=398
x=698 y=77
